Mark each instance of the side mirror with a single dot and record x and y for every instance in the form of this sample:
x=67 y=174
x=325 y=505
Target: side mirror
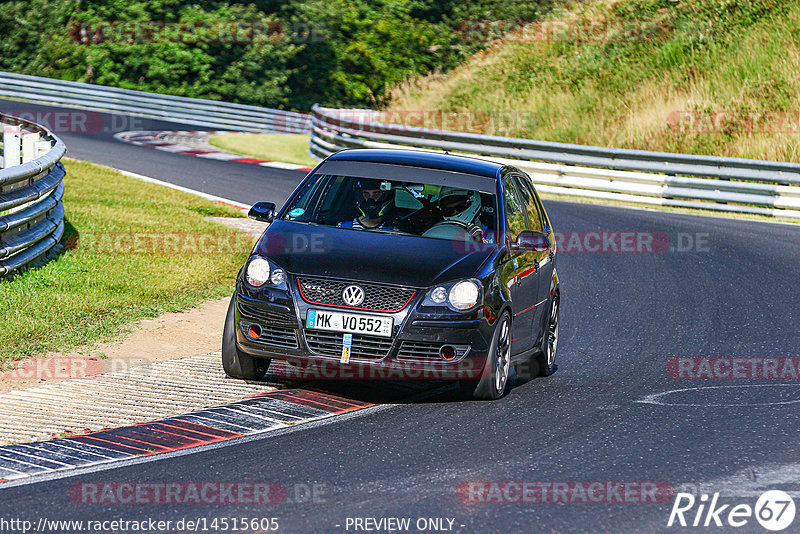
x=262 y=211
x=528 y=240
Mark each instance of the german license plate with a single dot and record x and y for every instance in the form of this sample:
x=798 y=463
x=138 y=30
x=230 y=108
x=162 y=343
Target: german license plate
x=351 y=323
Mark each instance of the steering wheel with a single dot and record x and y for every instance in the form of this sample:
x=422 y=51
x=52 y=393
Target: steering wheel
x=448 y=230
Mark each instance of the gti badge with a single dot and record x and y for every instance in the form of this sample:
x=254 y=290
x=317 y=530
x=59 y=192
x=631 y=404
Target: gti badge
x=353 y=295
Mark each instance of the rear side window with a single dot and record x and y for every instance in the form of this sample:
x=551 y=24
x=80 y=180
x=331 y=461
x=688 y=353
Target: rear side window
x=536 y=221
x=515 y=214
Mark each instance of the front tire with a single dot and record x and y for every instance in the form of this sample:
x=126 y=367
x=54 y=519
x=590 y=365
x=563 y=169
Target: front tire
x=494 y=382
x=235 y=363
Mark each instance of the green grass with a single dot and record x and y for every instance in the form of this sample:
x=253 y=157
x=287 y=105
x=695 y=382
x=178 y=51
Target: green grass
x=734 y=61
x=96 y=288
x=287 y=148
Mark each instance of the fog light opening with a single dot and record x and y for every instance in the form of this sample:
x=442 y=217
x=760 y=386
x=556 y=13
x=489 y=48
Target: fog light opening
x=255 y=331
x=448 y=352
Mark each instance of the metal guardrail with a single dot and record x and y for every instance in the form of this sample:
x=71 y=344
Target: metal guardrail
x=195 y=111
x=653 y=178
x=31 y=211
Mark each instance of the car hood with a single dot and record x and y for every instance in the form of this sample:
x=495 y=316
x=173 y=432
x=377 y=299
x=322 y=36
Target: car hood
x=304 y=249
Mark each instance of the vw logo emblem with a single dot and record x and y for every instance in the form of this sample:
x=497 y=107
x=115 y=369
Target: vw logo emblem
x=353 y=295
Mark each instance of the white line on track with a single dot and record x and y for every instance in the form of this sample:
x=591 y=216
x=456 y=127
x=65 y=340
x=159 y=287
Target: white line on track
x=149 y=180
x=656 y=398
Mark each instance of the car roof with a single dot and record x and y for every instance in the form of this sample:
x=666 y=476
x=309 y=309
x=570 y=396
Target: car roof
x=417 y=158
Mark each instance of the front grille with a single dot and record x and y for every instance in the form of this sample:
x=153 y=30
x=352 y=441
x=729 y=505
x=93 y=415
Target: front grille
x=421 y=351
x=365 y=347
x=271 y=336
x=378 y=297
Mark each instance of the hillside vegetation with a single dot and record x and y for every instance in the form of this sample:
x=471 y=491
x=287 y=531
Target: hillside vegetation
x=276 y=53
x=696 y=76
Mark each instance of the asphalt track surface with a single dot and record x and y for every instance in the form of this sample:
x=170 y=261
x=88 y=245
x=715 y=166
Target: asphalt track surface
x=624 y=316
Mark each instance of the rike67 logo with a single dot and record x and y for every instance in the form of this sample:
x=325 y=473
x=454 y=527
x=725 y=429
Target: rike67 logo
x=774 y=510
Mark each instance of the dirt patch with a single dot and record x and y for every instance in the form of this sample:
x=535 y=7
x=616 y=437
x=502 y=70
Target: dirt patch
x=254 y=228
x=166 y=337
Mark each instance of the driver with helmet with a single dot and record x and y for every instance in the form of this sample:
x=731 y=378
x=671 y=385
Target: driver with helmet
x=373 y=203
x=460 y=210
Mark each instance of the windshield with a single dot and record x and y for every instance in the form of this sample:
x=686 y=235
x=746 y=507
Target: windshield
x=398 y=207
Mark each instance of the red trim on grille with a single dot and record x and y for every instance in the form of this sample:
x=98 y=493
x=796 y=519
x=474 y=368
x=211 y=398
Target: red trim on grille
x=300 y=287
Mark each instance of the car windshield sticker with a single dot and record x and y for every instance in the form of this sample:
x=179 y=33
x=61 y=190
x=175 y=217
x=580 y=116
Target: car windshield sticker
x=347 y=342
x=295 y=213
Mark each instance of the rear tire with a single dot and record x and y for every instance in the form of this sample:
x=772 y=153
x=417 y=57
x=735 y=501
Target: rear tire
x=235 y=363
x=547 y=359
x=494 y=382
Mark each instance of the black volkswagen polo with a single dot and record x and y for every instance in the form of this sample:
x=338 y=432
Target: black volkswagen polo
x=404 y=264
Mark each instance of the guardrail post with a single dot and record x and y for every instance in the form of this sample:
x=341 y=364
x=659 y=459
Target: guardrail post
x=42 y=148
x=12 y=146
x=29 y=141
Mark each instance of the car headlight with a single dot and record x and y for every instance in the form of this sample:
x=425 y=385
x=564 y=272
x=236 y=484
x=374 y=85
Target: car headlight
x=439 y=295
x=261 y=271
x=464 y=295
x=459 y=296
x=257 y=272
x=278 y=277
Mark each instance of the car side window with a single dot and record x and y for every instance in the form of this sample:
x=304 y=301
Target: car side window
x=515 y=214
x=545 y=219
x=535 y=219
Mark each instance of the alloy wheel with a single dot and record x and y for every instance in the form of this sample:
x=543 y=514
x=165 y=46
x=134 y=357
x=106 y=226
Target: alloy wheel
x=503 y=357
x=552 y=335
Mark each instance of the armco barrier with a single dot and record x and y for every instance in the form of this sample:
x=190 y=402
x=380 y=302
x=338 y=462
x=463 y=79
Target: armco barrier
x=654 y=178
x=195 y=111
x=31 y=188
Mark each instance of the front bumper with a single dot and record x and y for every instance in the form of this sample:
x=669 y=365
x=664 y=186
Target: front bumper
x=413 y=350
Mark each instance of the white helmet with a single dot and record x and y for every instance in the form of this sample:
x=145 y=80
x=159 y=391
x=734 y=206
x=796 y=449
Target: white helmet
x=459 y=205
